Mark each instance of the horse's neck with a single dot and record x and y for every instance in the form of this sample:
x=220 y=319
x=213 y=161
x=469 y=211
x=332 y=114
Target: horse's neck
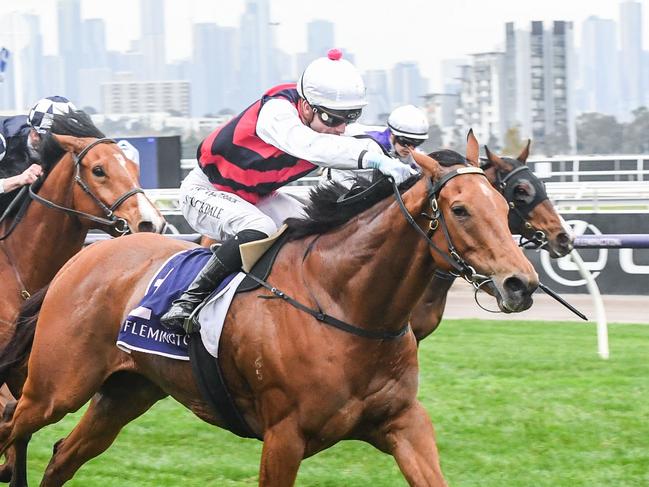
x=376 y=268
x=45 y=239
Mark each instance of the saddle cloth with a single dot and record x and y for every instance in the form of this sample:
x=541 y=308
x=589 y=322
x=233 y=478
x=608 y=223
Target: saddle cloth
x=141 y=330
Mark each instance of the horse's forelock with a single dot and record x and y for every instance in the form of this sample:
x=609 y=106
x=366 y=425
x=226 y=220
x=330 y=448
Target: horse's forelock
x=76 y=123
x=448 y=157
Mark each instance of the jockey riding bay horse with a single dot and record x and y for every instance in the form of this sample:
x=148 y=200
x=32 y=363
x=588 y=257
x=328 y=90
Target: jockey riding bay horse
x=89 y=183
x=531 y=215
x=299 y=384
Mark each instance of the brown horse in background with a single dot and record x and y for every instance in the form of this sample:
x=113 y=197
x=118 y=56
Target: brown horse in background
x=531 y=215
x=86 y=177
x=300 y=385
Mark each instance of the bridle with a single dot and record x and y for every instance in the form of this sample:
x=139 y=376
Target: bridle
x=519 y=211
x=120 y=225
x=461 y=267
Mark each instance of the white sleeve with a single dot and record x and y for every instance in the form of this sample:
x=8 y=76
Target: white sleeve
x=279 y=125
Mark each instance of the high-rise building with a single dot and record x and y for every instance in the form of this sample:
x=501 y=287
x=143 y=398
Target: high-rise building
x=214 y=69
x=32 y=54
x=481 y=102
x=320 y=38
x=451 y=74
x=94 y=43
x=69 y=24
x=378 y=98
x=152 y=44
x=631 y=56
x=94 y=70
x=599 y=81
x=408 y=86
x=53 y=67
x=257 y=70
x=539 y=84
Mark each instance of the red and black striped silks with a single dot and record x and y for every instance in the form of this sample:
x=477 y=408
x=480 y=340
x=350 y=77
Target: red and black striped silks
x=236 y=160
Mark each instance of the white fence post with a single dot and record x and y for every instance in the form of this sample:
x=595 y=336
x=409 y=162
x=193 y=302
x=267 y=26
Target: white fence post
x=600 y=313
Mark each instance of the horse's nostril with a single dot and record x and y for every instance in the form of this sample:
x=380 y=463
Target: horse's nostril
x=564 y=239
x=514 y=285
x=145 y=226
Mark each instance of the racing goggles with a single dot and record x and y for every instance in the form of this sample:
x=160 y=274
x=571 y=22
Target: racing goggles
x=335 y=118
x=407 y=141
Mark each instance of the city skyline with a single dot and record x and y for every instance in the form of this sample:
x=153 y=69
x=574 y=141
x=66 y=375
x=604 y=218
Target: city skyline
x=534 y=78
x=357 y=26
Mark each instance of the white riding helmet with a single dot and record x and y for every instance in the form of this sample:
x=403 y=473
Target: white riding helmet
x=335 y=84
x=42 y=114
x=408 y=121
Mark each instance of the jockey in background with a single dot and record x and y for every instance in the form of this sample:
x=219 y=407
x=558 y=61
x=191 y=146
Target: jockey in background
x=407 y=129
x=231 y=196
x=20 y=137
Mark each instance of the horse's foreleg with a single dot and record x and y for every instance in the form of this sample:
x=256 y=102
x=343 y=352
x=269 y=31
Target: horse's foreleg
x=120 y=400
x=410 y=438
x=281 y=456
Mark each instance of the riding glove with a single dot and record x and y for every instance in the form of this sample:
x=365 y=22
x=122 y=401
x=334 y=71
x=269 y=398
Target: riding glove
x=389 y=166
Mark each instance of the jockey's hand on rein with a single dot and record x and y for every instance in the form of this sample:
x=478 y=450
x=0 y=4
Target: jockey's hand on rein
x=389 y=166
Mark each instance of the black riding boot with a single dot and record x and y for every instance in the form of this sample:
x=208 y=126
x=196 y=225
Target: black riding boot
x=225 y=260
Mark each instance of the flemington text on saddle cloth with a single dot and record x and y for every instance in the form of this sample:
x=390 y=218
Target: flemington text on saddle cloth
x=141 y=330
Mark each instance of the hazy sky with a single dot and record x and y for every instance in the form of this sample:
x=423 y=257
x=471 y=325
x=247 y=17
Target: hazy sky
x=379 y=33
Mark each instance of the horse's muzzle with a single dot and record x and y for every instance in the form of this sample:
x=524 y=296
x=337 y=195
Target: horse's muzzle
x=514 y=293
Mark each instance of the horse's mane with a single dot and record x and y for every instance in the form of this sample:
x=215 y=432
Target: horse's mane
x=324 y=213
x=76 y=123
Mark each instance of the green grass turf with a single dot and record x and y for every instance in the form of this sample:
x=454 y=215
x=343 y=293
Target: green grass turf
x=514 y=404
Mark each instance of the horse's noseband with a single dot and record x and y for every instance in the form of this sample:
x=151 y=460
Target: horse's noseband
x=120 y=225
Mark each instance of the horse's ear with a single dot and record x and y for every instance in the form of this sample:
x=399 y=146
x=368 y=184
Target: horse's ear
x=69 y=143
x=522 y=157
x=496 y=161
x=430 y=166
x=472 y=148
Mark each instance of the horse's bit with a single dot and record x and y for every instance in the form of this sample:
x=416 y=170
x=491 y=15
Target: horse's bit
x=120 y=225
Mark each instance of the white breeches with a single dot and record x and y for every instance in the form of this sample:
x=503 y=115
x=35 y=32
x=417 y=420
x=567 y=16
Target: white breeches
x=220 y=215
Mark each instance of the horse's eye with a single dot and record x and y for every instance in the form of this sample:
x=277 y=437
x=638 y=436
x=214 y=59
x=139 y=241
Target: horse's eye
x=460 y=211
x=98 y=171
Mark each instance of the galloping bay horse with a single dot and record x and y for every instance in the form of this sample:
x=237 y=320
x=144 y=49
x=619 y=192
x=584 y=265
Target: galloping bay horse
x=531 y=215
x=299 y=384
x=89 y=183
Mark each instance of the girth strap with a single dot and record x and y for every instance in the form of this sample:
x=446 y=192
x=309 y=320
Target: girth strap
x=212 y=385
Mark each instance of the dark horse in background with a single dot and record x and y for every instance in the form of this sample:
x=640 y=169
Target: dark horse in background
x=299 y=384
x=89 y=183
x=531 y=215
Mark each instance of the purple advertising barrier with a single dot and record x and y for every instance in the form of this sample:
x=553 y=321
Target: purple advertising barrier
x=613 y=241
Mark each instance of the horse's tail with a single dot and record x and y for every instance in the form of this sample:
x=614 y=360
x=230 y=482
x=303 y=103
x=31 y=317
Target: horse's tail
x=17 y=350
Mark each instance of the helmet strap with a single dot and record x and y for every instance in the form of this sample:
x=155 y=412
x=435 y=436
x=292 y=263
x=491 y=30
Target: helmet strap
x=303 y=108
